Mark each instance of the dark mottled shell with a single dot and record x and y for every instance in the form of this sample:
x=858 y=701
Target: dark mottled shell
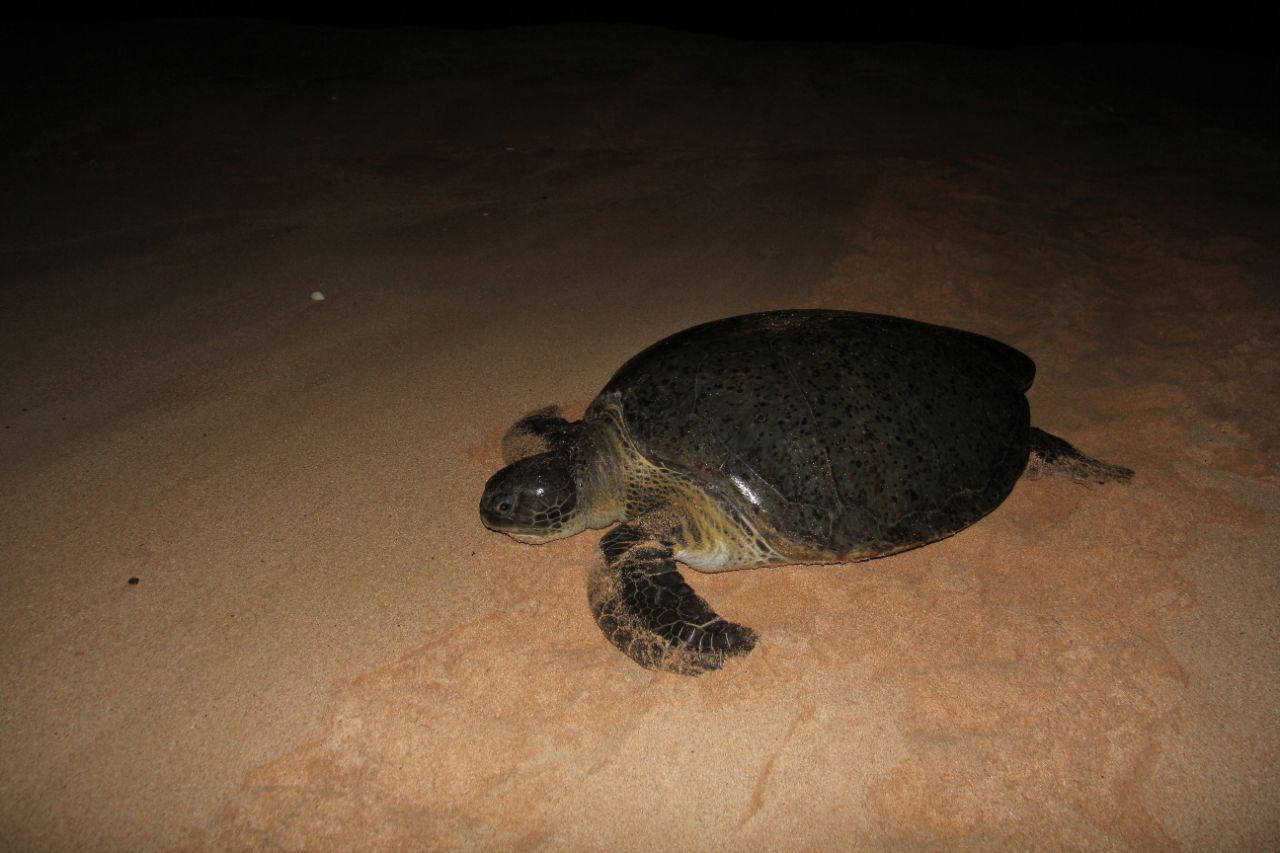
x=855 y=433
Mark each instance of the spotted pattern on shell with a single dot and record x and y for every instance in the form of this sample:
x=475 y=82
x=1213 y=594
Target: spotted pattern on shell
x=848 y=434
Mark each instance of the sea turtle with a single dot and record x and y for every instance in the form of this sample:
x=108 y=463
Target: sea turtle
x=799 y=436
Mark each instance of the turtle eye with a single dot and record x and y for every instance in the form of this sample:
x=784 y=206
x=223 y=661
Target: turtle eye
x=502 y=504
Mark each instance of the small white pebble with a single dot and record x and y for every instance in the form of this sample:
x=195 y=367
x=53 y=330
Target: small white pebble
x=317 y=296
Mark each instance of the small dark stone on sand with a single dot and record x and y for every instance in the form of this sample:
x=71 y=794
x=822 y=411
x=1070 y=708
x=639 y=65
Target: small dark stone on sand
x=133 y=581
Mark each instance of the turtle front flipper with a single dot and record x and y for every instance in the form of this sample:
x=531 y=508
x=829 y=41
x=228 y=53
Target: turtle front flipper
x=646 y=609
x=537 y=432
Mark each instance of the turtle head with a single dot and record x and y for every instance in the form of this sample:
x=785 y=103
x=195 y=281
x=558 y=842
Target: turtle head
x=534 y=499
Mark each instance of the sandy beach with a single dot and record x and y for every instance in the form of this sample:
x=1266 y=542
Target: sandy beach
x=249 y=602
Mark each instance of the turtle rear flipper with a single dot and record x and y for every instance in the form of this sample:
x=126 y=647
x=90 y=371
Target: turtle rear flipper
x=645 y=608
x=535 y=433
x=1053 y=455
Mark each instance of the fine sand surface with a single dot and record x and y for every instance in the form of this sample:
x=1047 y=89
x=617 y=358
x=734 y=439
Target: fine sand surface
x=325 y=649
